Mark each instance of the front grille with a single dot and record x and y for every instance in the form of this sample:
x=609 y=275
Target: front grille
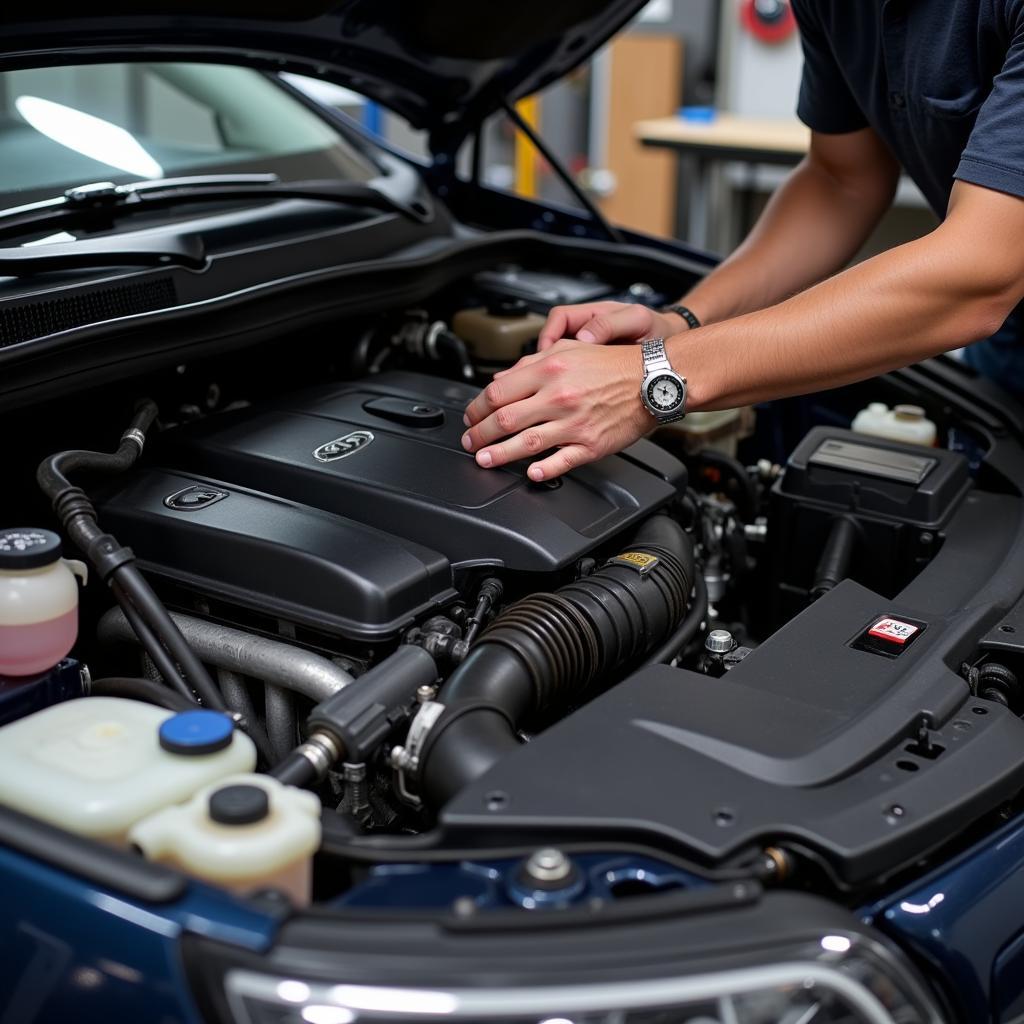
x=38 y=318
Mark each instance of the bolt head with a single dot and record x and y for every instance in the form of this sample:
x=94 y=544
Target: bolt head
x=548 y=865
x=719 y=641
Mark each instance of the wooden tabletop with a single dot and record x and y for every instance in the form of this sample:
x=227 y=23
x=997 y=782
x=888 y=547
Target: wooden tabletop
x=729 y=137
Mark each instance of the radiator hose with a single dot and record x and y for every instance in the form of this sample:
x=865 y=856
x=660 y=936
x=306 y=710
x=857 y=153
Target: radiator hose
x=543 y=653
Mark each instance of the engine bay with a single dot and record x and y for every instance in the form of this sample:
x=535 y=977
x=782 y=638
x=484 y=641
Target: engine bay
x=750 y=647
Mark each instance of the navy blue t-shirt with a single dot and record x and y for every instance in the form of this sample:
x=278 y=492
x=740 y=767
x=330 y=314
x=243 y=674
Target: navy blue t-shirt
x=941 y=81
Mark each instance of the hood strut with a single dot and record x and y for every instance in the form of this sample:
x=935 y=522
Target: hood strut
x=570 y=183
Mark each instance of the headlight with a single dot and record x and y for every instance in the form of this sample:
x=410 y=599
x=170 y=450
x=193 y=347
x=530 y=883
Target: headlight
x=840 y=979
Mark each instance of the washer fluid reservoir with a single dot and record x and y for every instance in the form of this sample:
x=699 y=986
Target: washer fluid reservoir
x=247 y=832
x=97 y=765
x=38 y=602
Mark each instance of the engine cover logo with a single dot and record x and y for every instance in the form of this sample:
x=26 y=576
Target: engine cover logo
x=343 y=447
x=192 y=499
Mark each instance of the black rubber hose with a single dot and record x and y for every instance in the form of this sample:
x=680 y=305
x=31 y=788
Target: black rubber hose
x=140 y=689
x=161 y=659
x=834 y=565
x=114 y=563
x=52 y=474
x=687 y=629
x=546 y=650
x=155 y=615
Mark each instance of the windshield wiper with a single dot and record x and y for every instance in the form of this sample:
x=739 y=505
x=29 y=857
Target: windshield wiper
x=185 y=250
x=104 y=201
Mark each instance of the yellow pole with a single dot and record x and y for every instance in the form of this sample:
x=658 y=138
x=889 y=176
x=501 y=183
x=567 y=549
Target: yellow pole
x=526 y=155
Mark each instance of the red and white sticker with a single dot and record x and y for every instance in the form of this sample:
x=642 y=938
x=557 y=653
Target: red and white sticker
x=893 y=630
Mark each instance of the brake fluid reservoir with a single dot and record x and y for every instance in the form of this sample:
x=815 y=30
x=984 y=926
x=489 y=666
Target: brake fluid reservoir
x=97 y=765
x=907 y=423
x=247 y=832
x=38 y=601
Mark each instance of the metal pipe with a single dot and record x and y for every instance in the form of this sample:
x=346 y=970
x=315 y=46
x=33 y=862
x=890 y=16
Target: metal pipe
x=270 y=661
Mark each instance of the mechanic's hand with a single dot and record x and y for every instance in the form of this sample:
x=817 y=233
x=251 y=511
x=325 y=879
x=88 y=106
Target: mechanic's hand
x=583 y=400
x=600 y=323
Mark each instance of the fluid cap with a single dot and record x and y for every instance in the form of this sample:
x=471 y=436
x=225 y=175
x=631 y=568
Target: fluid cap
x=239 y=805
x=719 y=641
x=196 y=732
x=28 y=548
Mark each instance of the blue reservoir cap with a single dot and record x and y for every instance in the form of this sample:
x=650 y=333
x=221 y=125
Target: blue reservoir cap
x=196 y=732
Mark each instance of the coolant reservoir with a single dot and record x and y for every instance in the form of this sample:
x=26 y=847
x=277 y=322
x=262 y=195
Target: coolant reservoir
x=97 y=765
x=38 y=601
x=498 y=333
x=247 y=832
x=906 y=423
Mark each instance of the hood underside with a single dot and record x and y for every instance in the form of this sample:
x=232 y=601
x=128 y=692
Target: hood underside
x=444 y=65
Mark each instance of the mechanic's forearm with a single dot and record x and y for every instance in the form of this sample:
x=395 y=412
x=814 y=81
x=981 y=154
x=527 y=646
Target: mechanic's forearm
x=811 y=228
x=913 y=302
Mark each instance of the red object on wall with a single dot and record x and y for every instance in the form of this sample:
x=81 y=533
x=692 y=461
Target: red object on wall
x=771 y=21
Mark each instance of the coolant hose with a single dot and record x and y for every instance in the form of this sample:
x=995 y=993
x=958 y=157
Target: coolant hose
x=545 y=652
x=115 y=564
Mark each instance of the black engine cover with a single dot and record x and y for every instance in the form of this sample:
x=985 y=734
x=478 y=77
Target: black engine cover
x=347 y=507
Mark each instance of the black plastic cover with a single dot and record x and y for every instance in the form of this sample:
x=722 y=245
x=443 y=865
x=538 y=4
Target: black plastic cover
x=277 y=557
x=409 y=475
x=871 y=476
x=808 y=740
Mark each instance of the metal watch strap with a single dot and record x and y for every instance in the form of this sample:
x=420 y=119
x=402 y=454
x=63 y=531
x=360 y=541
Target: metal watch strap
x=655 y=356
x=688 y=315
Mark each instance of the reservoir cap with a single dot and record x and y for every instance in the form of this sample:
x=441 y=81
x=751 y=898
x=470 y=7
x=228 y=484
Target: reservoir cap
x=196 y=732
x=28 y=548
x=239 y=805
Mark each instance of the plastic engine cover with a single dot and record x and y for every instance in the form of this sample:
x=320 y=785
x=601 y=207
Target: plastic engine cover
x=346 y=507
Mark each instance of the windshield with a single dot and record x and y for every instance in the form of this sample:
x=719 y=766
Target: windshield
x=68 y=126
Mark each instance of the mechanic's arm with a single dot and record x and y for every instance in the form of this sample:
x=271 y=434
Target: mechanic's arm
x=812 y=227
x=950 y=288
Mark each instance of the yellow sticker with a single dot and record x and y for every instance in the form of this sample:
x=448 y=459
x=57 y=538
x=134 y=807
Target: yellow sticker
x=638 y=560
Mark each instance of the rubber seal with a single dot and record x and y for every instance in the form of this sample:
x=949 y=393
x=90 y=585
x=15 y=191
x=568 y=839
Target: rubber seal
x=193 y=733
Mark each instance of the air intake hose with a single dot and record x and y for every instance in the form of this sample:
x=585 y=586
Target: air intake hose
x=543 y=653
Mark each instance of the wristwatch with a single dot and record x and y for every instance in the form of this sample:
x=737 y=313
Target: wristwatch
x=663 y=391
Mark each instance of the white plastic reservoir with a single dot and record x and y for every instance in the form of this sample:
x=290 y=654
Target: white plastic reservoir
x=247 y=832
x=38 y=601
x=97 y=765
x=906 y=423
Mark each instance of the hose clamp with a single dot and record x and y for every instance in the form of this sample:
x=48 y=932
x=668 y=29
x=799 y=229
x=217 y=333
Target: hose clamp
x=405 y=760
x=135 y=435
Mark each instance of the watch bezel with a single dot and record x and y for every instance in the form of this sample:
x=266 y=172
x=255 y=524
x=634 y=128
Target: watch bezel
x=657 y=377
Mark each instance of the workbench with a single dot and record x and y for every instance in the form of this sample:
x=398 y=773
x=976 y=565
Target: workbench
x=701 y=145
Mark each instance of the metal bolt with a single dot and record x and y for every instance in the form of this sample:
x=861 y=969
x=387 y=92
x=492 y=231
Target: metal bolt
x=548 y=865
x=397 y=757
x=719 y=641
x=425 y=694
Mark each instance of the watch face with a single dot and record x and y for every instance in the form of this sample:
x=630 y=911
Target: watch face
x=665 y=394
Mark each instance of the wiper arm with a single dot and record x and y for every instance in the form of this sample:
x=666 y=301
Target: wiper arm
x=106 y=201
x=176 y=250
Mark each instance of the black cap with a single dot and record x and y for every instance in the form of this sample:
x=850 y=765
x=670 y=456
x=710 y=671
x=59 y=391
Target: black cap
x=239 y=805
x=28 y=548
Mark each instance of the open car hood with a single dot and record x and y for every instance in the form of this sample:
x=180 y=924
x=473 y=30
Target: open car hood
x=442 y=64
